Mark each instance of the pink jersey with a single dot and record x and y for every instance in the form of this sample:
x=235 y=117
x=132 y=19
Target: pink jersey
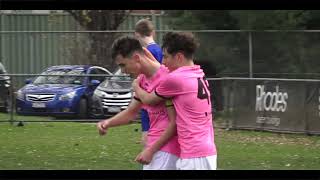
x=191 y=98
x=158 y=115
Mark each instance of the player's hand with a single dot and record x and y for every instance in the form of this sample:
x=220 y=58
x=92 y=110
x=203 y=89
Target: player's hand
x=145 y=156
x=149 y=54
x=135 y=84
x=102 y=127
x=144 y=137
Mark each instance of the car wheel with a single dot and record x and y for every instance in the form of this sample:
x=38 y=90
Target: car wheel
x=83 y=109
x=7 y=106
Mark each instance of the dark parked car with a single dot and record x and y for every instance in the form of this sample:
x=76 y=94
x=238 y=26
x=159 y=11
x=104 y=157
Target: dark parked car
x=112 y=95
x=5 y=83
x=60 y=95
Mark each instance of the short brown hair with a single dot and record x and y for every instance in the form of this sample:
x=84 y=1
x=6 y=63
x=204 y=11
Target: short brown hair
x=183 y=42
x=144 y=27
x=125 y=46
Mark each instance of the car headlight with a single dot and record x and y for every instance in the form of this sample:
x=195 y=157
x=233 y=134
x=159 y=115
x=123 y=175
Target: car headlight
x=20 y=95
x=98 y=93
x=67 y=96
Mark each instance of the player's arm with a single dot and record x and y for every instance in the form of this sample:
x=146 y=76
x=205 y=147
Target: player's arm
x=169 y=87
x=122 y=118
x=170 y=131
x=144 y=96
x=146 y=155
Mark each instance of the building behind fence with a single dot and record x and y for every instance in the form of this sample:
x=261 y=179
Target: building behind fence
x=31 y=52
x=31 y=42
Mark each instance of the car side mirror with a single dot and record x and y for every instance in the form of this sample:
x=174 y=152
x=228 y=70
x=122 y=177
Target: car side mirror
x=28 y=81
x=95 y=82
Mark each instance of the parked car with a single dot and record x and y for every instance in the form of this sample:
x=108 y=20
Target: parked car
x=5 y=83
x=60 y=95
x=112 y=95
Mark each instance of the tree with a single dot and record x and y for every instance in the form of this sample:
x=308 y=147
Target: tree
x=279 y=52
x=200 y=19
x=270 y=19
x=218 y=51
x=100 y=43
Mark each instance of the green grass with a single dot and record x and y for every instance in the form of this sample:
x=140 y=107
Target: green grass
x=67 y=145
x=74 y=145
x=264 y=151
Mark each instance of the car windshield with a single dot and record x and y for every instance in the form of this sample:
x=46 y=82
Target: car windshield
x=61 y=79
x=119 y=81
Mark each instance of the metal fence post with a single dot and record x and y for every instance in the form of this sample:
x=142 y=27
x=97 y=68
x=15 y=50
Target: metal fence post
x=11 y=100
x=250 y=54
x=229 y=104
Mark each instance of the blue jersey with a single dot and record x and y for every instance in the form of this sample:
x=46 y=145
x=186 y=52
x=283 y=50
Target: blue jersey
x=156 y=51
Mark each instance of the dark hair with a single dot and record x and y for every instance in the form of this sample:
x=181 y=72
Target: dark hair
x=183 y=42
x=144 y=27
x=125 y=46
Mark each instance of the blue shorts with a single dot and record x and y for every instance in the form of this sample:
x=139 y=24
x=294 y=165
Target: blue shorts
x=145 y=121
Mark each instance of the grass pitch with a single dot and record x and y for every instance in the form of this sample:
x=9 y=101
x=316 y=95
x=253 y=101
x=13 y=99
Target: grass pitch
x=77 y=146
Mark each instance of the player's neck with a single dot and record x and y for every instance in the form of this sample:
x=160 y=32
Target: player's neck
x=187 y=63
x=150 y=68
x=147 y=40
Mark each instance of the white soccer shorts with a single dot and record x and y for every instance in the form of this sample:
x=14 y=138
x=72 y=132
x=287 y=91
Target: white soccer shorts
x=202 y=163
x=162 y=161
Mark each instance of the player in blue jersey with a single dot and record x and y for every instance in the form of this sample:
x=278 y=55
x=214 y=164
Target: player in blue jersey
x=145 y=32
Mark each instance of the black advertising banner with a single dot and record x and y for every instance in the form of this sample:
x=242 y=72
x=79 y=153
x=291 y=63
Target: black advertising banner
x=280 y=106
x=312 y=108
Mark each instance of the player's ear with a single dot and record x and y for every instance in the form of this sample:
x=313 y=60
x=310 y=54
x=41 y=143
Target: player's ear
x=136 y=57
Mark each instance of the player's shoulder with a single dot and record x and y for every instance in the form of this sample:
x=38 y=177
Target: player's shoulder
x=153 y=47
x=172 y=78
x=177 y=73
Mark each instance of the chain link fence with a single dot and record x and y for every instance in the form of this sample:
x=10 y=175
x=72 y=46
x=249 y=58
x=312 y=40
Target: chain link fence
x=222 y=54
x=236 y=53
x=269 y=104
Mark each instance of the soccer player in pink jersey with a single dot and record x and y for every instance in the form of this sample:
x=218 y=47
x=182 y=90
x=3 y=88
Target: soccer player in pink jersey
x=162 y=148
x=187 y=87
x=145 y=33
